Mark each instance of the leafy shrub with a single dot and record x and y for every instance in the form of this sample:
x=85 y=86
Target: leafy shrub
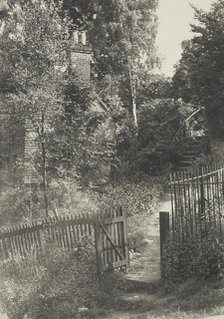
x=139 y=197
x=19 y=203
x=159 y=121
x=67 y=196
x=53 y=283
x=202 y=261
x=217 y=150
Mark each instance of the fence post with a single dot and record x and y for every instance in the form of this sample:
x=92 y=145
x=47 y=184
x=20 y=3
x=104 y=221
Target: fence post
x=202 y=221
x=98 y=245
x=125 y=237
x=164 y=227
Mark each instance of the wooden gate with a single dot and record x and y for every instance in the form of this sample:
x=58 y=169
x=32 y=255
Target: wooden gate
x=108 y=227
x=111 y=240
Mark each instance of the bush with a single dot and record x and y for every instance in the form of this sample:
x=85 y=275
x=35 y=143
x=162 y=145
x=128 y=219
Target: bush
x=202 y=261
x=139 y=197
x=53 y=283
x=19 y=203
x=68 y=197
x=159 y=122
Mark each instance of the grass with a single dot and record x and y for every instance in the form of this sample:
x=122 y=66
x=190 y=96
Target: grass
x=190 y=300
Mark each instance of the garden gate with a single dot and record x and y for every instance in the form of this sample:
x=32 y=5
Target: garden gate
x=108 y=230
x=197 y=198
x=111 y=240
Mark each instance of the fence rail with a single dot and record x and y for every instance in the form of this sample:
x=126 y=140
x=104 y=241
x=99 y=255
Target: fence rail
x=197 y=198
x=64 y=231
x=108 y=230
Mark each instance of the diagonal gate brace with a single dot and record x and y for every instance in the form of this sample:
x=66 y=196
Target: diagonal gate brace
x=112 y=242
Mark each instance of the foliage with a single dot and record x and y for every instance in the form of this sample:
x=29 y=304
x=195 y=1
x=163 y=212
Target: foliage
x=139 y=197
x=30 y=285
x=122 y=36
x=16 y=206
x=159 y=121
x=199 y=75
x=85 y=136
x=193 y=259
x=154 y=87
x=68 y=197
x=36 y=38
x=21 y=203
x=125 y=29
x=33 y=74
x=217 y=150
x=138 y=194
x=82 y=13
x=78 y=127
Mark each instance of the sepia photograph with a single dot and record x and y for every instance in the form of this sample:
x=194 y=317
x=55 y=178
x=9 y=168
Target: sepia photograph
x=111 y=159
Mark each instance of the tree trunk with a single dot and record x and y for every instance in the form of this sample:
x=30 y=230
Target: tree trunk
x=44 y=166
x=44 y=177
x=133 y=84
x=134 y=110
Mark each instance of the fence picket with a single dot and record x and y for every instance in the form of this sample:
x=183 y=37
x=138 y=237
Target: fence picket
x=112 y=252
x=109 y=228
x=197 y=198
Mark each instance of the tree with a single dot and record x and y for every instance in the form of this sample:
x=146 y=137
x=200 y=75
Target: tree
x=33 y=74
x=81 y=12
x=159 y=121
x=122 y=36
x=88 y=135
x=199 y=75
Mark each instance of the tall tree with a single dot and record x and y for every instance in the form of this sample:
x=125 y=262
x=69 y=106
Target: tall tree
x=122 y=36
x=33 y=55
x=199 y=76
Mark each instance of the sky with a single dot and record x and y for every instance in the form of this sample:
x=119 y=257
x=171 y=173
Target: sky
x=175 y=17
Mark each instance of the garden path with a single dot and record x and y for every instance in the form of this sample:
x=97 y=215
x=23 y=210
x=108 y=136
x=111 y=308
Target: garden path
x=145 y=301
x=145 y=267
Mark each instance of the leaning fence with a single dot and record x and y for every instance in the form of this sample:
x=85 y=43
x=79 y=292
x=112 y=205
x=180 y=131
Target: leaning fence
x=197 y=198
x=107 y=229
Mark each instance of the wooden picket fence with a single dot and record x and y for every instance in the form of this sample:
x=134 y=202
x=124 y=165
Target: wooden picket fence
x=108 y=229
x=197 y=198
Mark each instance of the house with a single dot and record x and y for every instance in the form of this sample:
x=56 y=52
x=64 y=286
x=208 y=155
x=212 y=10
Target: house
x=22 y=145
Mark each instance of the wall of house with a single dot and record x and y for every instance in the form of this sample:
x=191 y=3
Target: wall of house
x=30 y=154
x=11 y=148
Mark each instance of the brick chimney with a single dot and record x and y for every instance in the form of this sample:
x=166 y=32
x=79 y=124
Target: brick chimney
x=80 y=55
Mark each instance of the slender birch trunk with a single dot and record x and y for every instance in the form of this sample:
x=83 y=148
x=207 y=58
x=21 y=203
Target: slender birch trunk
x=44 y=168
x=133 y=84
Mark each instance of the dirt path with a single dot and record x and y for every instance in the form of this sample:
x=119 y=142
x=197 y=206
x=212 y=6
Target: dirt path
x=145 y=299
x=144 y=273
x=146 y=266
